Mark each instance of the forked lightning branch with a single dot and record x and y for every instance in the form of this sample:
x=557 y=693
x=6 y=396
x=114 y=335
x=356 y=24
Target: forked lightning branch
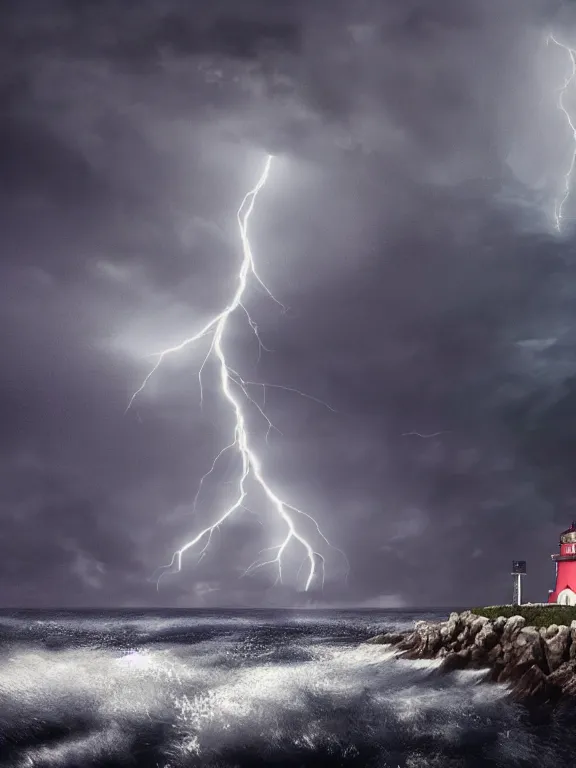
x=234 y=391
x=569 y=80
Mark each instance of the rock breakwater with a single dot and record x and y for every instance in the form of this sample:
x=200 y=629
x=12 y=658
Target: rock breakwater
x=536 y=663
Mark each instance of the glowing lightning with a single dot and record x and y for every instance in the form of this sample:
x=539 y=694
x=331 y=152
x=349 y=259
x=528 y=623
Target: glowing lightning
x=568 y=80
x=235 y=392
x=422 y=434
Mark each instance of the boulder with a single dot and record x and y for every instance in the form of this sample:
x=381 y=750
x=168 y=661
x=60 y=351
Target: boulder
x=378 y=639
x=478 y=656
x=454 y=618
x=386 y=638
x=569 y=686
x=477 y=624
x=513 y=625
x=409 y=641
x=455 y=661
x=533 y=683
x=519 y=654
x=499 y=624
x=461 y=637
x=487 y=637
x=494 y=654
x=563 y=675
x=432 y=640
x=572 y=652
x=449 y=629
x=550 y=631
x=528 y=649
x=557 y=647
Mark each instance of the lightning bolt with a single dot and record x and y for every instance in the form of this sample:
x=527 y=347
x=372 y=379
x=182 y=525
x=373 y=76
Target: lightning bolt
x=424 y=435
x=568 y=80
x=234 y=391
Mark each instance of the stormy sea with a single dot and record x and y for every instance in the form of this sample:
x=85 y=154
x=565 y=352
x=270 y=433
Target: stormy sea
x=232 y=689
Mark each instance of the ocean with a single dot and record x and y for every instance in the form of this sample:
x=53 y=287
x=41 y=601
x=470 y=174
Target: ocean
x=248 y=689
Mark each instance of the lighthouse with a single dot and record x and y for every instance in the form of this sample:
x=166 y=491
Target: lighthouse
x=564 y=592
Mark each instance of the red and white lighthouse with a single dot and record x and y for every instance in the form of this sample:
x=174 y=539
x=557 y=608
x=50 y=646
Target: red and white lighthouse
x=565 y=589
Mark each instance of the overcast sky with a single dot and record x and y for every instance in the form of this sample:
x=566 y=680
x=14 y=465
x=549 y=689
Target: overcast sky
x=407 y=226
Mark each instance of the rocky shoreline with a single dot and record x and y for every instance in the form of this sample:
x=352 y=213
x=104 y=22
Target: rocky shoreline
x=537 y=664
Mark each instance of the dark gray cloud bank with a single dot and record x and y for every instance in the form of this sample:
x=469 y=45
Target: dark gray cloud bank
x=406 y=226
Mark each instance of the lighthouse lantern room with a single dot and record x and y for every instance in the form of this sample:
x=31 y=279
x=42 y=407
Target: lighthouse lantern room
x=564 y=592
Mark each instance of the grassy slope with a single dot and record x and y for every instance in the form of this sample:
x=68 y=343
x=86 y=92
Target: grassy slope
x=535 y=615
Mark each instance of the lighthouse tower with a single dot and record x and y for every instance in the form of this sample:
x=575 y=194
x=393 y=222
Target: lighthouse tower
x=565 y=589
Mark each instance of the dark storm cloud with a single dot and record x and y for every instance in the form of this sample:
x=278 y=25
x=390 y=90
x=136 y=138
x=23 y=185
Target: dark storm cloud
x=405 y=227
